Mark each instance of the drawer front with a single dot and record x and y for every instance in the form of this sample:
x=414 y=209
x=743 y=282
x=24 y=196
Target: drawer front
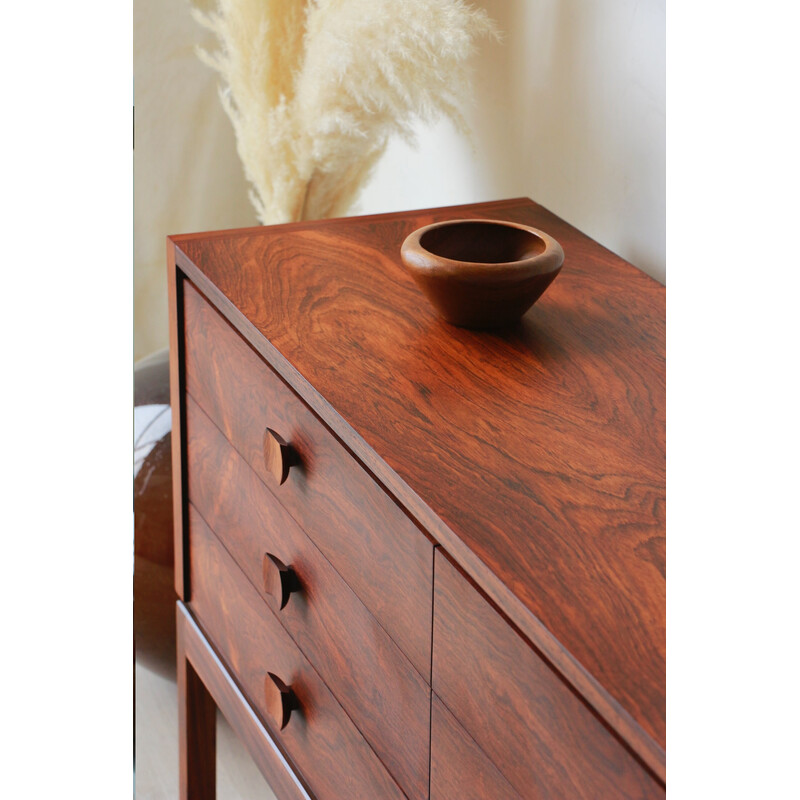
x=374 y=682
x=193 y=647
x=365 y=535
x=459 y=769
x=319 y=738
x=530 y=724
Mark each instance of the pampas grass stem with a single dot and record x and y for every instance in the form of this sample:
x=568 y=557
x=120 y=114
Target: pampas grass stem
x=316 y=88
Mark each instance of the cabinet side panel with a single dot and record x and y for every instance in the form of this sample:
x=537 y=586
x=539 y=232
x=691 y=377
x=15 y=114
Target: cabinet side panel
x=176 y=396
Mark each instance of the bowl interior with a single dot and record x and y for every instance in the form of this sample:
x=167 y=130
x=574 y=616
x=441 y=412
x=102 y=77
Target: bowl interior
x=482 y=242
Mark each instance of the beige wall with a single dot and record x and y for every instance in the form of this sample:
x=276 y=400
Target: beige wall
x=187 y=175
x=570 y=111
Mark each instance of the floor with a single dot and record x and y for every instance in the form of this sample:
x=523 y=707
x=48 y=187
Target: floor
x=156 y=775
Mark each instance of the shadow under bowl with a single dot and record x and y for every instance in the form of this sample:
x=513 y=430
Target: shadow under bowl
x=481 y=273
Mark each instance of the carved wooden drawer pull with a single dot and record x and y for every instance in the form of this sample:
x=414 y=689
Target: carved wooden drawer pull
x=279 y=580
x=279 y=455
x=281 y=700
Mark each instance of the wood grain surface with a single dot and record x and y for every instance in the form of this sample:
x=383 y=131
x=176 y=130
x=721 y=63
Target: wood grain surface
x=460 y=770
x=375 y=683
x=376 y=548
x=333 y=757
x=539 y=734
x=175 y=284
x=220 y=686
x=535 y=456
x=197 y=732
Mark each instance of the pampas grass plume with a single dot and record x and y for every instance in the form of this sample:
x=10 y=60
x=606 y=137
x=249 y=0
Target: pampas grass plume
x=315 y=89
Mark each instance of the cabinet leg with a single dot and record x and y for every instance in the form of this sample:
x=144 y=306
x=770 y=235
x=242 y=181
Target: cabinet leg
x=197 y=721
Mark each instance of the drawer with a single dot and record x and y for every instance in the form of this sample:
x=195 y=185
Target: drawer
x=459 y=768
x=530 y=724
x=193 y=648
x=364 y=534
x=319 y=738
x=375 y=683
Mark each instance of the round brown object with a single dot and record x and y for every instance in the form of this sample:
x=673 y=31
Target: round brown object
x=153 y=572
x=482 y=273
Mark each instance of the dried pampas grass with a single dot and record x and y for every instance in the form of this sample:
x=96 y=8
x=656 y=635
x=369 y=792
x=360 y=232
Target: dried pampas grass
x=315 y=88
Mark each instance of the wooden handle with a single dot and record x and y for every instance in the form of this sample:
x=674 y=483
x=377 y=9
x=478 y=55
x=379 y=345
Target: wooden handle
x=278 y=455
x=279 y=580
x=281 y=700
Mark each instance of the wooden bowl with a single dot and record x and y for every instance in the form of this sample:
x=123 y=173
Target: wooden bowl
x=481 y=273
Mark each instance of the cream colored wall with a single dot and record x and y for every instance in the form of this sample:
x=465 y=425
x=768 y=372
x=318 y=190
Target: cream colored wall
x=187 y=175
x=570 y=111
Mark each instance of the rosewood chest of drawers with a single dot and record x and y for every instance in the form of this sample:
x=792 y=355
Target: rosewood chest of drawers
x=415 y=560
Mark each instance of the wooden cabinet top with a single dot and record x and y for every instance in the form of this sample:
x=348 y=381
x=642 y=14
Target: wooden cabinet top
x=535 y=456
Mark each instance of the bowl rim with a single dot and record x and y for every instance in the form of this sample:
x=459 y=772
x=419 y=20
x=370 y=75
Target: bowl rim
x=417 y=257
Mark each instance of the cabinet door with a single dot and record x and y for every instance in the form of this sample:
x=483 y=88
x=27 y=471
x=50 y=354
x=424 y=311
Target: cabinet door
x=460 y=770
x=530 y=724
